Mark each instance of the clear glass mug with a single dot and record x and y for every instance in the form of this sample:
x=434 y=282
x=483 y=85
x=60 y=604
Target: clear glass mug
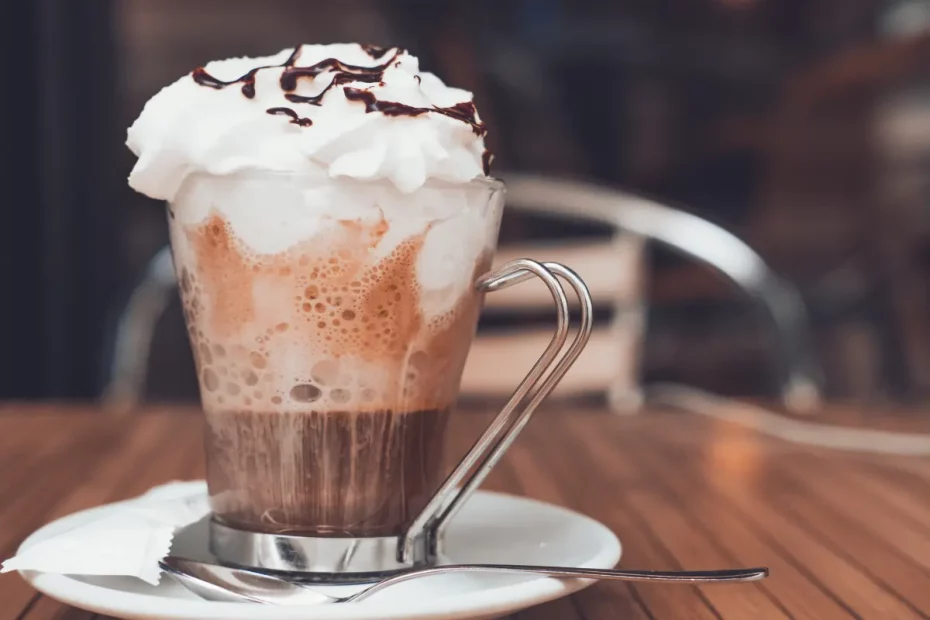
x=330 y=320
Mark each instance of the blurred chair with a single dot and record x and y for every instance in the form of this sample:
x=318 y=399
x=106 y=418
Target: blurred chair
x=613 y=269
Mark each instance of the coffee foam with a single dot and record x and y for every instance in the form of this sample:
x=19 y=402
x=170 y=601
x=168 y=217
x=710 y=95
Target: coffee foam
x=272 y=214
x=358 y=315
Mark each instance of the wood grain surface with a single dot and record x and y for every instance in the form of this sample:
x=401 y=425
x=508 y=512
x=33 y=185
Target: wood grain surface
x=846 y=535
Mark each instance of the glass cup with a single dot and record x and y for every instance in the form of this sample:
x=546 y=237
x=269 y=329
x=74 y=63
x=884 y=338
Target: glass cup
x=330 y=320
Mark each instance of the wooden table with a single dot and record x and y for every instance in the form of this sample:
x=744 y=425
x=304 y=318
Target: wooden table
x=846 y=535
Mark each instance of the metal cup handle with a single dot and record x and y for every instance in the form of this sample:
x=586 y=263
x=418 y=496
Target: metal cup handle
x=426 y=532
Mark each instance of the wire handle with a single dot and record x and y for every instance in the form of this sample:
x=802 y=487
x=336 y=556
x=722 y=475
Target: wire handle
x=494 y=442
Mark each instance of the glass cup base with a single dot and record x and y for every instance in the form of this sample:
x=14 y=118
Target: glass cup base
x=318 y=559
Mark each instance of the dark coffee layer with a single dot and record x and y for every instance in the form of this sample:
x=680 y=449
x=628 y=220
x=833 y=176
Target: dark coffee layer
x=323 y=473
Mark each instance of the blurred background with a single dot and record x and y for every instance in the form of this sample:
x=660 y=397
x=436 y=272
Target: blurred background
x=802 y=126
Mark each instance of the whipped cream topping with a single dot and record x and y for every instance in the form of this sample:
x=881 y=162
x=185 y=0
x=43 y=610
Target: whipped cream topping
x=341 y=110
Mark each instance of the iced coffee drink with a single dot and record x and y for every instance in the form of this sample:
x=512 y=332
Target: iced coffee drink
x=329 y=212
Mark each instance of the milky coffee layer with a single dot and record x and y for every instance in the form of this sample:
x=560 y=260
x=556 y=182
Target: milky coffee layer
x=356 y=315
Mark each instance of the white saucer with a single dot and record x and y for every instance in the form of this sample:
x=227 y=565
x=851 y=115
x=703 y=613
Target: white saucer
x=491 y=528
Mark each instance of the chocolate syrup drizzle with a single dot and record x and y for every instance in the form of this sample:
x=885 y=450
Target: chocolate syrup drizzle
x=203 y=78
x=290 y=76
x=464 y=111
x=297 y=120
x=345 y=73
x=375 y=51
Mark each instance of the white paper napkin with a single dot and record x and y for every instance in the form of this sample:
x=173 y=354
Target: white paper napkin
x=129 y=541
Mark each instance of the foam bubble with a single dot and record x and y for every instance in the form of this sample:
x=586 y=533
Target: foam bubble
x=305 y=393
x=210 y=380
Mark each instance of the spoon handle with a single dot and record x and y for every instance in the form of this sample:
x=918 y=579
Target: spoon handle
x=681 y=576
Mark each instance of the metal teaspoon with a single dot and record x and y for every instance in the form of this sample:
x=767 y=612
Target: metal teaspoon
x=221 y=583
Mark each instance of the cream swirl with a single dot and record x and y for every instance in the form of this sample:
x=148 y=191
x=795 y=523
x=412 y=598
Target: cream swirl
x=343 y=110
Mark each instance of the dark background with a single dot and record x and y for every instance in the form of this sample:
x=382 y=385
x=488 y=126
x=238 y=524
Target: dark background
x=802 y=125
